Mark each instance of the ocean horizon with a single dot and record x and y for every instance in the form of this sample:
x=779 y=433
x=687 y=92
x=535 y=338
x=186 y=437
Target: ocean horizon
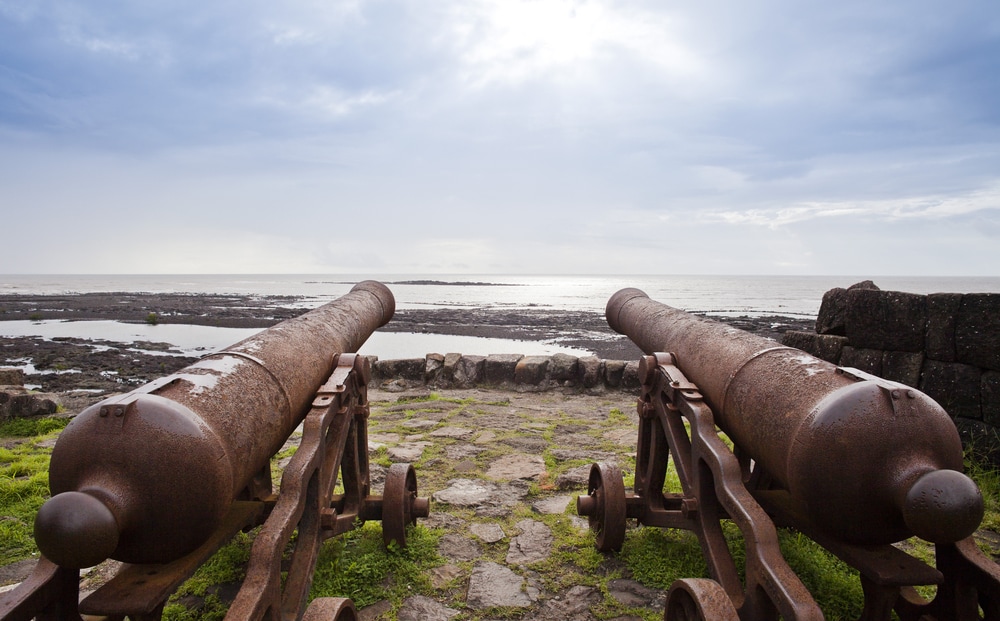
x=733 y=296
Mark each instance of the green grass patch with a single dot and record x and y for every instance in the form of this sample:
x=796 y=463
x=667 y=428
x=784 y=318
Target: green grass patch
x=24 y=486
x=357 y=565
x=27 y=427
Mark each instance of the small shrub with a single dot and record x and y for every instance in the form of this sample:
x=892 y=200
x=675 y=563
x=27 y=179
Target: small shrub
x=152 y=319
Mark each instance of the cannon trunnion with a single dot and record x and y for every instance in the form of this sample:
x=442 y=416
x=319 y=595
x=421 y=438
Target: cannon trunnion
x=162 y=477
x=851 y=460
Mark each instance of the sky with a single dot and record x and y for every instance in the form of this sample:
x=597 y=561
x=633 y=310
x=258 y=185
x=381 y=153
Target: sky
x=500 y=136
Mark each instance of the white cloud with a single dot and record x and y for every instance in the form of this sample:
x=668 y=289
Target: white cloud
x=936 y=207
x=508 y=42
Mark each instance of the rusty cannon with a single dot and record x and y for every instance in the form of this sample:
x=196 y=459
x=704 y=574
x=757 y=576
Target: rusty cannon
x=163 y=476
x=853 y=461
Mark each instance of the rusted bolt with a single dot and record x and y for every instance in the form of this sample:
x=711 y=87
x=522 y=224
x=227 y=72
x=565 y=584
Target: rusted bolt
x=896 y=394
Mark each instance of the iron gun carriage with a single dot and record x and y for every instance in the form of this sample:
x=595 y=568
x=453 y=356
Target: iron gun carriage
x=161 y=477
x=855 y=462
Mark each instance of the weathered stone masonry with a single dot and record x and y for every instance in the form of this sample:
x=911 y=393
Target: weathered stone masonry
x=945 y=344
x=510 y=371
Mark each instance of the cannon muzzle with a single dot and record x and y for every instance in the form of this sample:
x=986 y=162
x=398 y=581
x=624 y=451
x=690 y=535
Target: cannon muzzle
x=869 y=460
x=147 y=476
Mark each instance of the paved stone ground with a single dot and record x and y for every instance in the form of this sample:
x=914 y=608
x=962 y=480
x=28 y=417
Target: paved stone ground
x=503 y=470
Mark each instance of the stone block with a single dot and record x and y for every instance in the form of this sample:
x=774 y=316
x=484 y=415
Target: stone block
x=630 y=378
x=500 y=368
x=10 y=376
x=450 y=369
x=977 y=330
x=433 y=368
x=471 y=370
x=832 y=313
x=886 y=320
x=867 y=360
x=614 y=370
x=955 y=386
x=530 y=370
x=411 y=369
x=589 y=371
x=982 y=441
x=563 y=367
x=903 y=367
x=990 y=397
x=942 y=312
x=824 y=346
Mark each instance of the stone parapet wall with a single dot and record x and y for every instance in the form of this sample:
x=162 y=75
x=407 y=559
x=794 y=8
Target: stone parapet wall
x=945 y=344
x=509 y=371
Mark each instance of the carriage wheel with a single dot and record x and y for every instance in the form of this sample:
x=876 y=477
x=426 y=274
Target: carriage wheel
x=330 y=609
x=604 y=506
x=698 y=599
x=398 y=500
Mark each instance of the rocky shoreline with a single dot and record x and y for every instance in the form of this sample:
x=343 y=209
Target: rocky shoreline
x=97 y=367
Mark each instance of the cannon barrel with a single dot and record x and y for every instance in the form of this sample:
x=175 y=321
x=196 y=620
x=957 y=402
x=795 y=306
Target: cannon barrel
x=146 y=477
x=870 y=461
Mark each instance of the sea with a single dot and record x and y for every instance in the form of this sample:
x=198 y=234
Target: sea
x=790 y=296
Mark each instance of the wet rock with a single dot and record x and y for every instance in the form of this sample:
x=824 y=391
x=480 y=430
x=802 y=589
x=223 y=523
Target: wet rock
x=421 y=608
x=495 y=585
x=532 y=545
